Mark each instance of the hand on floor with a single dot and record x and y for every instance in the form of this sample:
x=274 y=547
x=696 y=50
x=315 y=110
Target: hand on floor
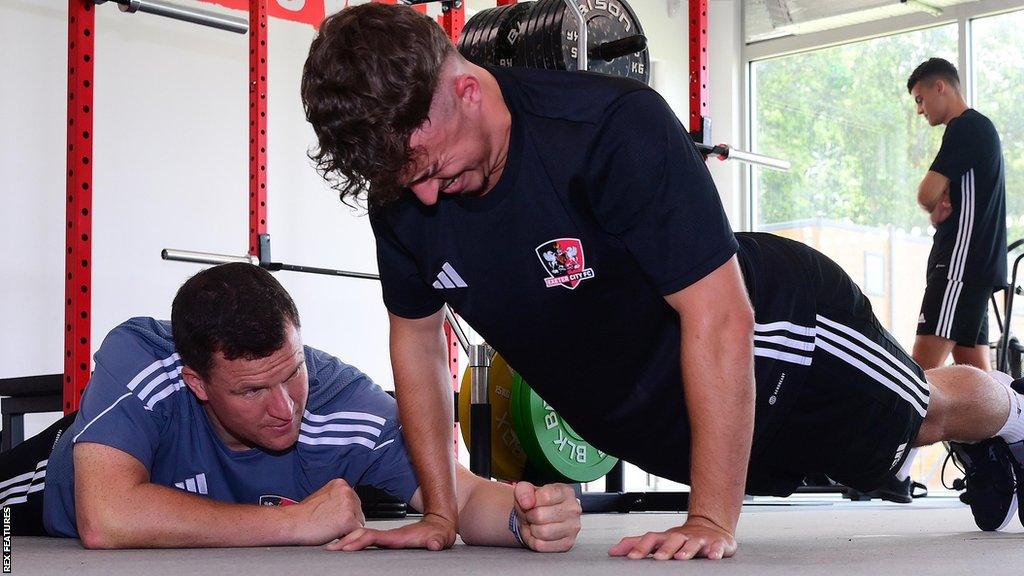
x=696 y=539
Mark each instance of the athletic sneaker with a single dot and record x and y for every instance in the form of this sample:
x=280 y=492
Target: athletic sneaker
x=989 y=480
x=1015 y=452
x=899 y=491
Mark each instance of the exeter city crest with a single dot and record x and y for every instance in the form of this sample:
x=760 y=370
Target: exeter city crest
x=563 y=261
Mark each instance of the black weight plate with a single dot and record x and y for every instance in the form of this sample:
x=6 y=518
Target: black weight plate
x=479 y=36
x=543 y=31
x=547 y=35
x=526 y=50
x=466 y=45
x=491 y=33
x=509 y=30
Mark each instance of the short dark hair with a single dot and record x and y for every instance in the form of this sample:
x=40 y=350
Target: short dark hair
x=934 y=68
x=239 y=310
x=367 y=86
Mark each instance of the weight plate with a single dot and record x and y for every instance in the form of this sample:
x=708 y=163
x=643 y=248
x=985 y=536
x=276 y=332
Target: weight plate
x=509 y=33
x=551 y=445
x=530 y=47
x=486 y=17
x=469 y=41
x=607 y=20
x=550 y=40
x=491 y=33
x=507 y=456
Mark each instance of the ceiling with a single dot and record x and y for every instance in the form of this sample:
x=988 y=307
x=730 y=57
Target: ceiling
x=766 y=19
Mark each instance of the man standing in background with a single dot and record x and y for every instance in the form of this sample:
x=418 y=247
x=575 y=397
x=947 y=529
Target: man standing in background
x=965 y=194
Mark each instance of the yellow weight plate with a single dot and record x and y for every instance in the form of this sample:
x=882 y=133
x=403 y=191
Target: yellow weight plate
x=507 y=456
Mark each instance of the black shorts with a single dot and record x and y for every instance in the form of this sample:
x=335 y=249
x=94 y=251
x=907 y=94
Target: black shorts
x=23 y=477
x=955 y=311
x=836 y=394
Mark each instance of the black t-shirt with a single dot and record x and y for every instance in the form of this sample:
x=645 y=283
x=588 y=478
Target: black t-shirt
x=604 y=207
x=970 y=245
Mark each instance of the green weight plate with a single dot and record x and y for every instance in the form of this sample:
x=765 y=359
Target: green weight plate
x=551 y=445
x=507 y=456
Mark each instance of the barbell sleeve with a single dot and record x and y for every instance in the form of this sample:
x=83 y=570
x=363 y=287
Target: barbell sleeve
x=185 y=14
x=206 y=257
x=725 y=152
x=617 y=48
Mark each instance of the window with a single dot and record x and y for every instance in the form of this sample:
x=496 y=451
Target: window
x=842 y=115
x=997 y=58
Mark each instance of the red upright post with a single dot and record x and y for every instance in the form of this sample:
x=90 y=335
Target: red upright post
x=453 y=19
x=78 y=260
x=698 y=66
x=258 y=34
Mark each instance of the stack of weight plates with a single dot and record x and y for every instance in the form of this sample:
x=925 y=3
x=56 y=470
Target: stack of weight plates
x=524 y=428
x=544 y=34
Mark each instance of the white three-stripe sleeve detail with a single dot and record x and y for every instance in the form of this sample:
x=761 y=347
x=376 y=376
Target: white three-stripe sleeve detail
x=100 y=415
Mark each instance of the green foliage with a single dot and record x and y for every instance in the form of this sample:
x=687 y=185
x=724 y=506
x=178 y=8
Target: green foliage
x=998 y=79
x=842 y=115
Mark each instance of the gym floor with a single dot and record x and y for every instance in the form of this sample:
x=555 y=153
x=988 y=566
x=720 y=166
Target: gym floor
x=789 y=537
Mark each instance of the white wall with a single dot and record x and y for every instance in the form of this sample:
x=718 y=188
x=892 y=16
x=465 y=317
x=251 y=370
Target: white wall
x=171 y=168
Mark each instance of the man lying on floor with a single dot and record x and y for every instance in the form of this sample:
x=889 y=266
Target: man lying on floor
x=188 y=430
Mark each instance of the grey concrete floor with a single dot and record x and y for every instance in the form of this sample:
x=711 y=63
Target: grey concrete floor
x=792 y=537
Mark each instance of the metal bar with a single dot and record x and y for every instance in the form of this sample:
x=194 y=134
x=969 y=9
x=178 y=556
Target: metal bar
x=48 y=384
x=460 y=335
x=78 y=253
x=725 y=152
x=480 y=410
x=257 y=126
x=14 y=410
x=275 y=266
x=185 y=14
x=698 y=65
x=582 y=58
x=759 y=159
x=205 y=257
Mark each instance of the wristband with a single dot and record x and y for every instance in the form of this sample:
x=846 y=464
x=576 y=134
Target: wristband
x=513 y=527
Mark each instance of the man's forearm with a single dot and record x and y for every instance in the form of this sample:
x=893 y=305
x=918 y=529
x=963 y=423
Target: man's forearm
x=425 y=404
x=483 y=517
x=154 y=516
x=718 y=375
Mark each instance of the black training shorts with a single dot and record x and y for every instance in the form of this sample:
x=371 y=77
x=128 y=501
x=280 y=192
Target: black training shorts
x=855 y=399
x=955 y=311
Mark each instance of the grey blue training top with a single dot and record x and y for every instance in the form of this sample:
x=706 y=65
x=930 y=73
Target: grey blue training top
x=138 y=402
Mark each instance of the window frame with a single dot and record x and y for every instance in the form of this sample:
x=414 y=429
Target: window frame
x=962 y=15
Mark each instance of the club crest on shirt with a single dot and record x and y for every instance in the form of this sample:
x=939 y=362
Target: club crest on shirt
x=563 y=260
x=273 y=500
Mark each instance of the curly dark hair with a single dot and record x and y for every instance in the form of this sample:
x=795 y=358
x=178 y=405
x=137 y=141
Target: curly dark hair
x=934 y=68
x=367 y=85
x=239 y=310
